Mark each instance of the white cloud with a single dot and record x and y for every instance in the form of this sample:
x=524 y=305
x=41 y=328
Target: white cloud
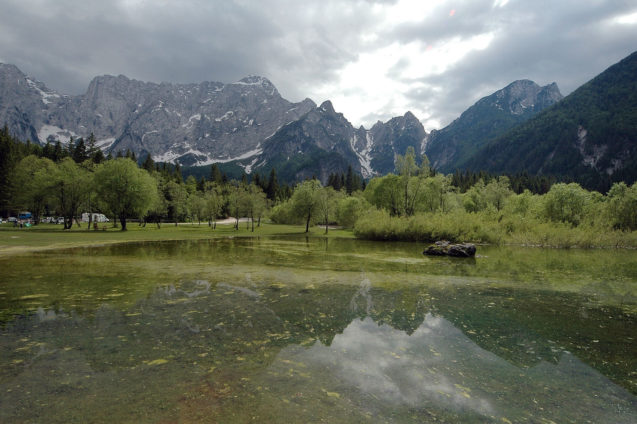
x=629 y=19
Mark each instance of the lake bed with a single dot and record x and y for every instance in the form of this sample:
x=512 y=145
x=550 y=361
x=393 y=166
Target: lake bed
x=293 y=329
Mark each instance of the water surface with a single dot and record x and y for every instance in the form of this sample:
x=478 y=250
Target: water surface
x=316 y=330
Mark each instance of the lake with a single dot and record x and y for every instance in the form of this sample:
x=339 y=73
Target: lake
x=300 y=330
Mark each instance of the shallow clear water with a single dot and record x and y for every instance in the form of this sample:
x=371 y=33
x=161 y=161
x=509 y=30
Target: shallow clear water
x=315 y=330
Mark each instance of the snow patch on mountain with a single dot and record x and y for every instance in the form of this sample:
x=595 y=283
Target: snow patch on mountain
x=46 y=97
x=54 y=133
x=364 y=155
x=105 y=143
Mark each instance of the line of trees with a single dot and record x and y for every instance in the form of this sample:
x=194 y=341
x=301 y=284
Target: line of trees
x=417 y=203
x=78 y=178
x=67 y=180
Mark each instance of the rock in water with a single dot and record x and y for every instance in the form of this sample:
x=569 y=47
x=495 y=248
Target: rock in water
x=444 y=248
x=465 y=250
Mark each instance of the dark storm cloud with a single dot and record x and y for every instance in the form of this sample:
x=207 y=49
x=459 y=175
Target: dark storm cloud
x=306 y=47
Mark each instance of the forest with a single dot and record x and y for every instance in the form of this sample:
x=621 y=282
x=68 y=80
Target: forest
x=415 y=203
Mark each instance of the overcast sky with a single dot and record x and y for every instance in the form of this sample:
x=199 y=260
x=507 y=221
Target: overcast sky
x=373 y=58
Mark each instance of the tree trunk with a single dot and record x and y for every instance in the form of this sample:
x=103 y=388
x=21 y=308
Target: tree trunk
x=122 y=220
x=307 y=224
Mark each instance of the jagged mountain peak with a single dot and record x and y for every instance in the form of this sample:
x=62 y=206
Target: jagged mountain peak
x=522 y=96
x=6 y=68
x=489 y=117
x=255 y=80
x=410 y=116
x=327 y=106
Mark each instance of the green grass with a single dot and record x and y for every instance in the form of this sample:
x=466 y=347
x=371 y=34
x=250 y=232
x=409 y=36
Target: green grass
x=51 y=236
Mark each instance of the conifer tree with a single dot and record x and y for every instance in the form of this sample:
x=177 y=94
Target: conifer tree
x=215 y=174
x=272 y=190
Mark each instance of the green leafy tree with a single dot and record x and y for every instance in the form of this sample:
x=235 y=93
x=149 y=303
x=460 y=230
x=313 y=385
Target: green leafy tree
x=411 y=180
x=387 y=193
x=326 y=202
x=69 y=182
x=176 y=200
x=435 y=194
x=566 y=203
x=305 y=202
x=159 y=206
x=237 y=200
x=349 y=209
x=497 y=191
x=255 y=202
x=622 y=206
x=197 y=206
x=475 y=199
x=213 y=202
x=191 y=185
x=126 y=189
x=32 y=178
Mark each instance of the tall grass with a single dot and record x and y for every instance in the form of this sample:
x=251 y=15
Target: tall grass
x=487 y=227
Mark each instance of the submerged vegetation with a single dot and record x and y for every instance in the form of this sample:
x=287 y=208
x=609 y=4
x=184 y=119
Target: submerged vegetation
x=414 y=204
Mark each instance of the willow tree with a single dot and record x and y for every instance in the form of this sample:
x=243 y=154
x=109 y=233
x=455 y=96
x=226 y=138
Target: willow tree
x=126 y=189
x=68 y=182
x=32 y=176
x=305 y=201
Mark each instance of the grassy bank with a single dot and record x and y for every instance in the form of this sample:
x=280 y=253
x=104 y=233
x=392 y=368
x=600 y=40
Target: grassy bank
x=51 y=236
x=461 y=226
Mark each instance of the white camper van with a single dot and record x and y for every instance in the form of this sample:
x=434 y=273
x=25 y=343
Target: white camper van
x=97 y=217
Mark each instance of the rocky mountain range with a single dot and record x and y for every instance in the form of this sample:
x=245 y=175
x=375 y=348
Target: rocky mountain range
x=247 y=123
x=488 y=118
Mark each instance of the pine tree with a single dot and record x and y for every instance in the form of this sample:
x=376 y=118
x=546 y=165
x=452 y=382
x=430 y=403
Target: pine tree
x=215 y=174
x=349 y=180
x=91 y=148
x=148 y=164
x=79 y=152
x=272 y=190
x=179 y=178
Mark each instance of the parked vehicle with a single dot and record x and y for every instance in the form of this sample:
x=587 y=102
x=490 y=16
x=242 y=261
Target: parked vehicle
x=12 y=219
x=59 y=220
x=97 y=217
x=46 y=220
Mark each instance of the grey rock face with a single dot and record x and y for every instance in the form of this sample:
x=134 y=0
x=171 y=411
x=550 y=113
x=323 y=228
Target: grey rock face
x=393 y=138
x=195 y=124
x=25 y=103
x=328 y=143
x=488 y=118
x=191 y=123
x=319 y=143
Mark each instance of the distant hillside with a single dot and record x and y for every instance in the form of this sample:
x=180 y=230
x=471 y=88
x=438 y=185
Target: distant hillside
x=589 y=137
x=487 y=119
